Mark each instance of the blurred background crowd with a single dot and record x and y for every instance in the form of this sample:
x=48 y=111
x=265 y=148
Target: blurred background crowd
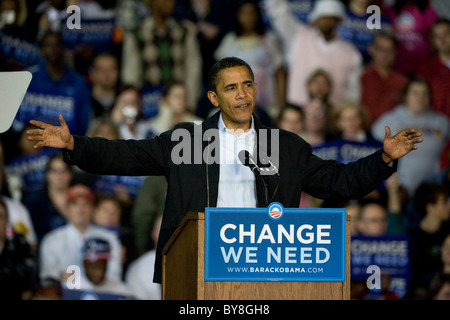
x=334 y=72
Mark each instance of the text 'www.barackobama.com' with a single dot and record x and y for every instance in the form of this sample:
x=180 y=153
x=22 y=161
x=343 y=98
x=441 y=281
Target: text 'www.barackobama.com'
x=274 y=270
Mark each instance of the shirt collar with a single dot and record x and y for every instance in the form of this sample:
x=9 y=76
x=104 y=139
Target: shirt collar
x=223 y=128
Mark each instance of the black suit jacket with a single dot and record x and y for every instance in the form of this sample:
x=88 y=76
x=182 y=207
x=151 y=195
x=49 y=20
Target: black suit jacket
x=299 y=170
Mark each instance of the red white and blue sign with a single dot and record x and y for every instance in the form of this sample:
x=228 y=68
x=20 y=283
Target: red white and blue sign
x=275 y=210
x=275 y=244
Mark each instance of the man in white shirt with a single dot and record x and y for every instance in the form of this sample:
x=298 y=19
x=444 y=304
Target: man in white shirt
x=62 y=247
x=96 y=259
x=236 y=182
x=196 y=183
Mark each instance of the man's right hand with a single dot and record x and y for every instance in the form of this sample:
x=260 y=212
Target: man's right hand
x=51 y=136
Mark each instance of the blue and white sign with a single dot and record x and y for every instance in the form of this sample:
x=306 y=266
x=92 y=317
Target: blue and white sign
x=95 y=32
x=345 y=151
x=390 y=253
x=275 y=244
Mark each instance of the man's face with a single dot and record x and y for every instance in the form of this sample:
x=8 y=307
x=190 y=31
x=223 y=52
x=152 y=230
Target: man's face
x=417 y=98
x=80 y=211
x=105 y=72
x=58 y=175
x=315 y=116
x=441 y=38
x=349 y=121
x=107 y=213
x=319 y=87
x=373 y=220
x=383 y=52
x=95 y=270
x=235 y=95
x=292 y=121
x=441 y=208
x=176 y=98
x=53 y=49
x=327 y=25
x=247 y=16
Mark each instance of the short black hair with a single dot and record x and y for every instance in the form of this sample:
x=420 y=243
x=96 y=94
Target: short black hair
x=225 y=63
x=428 y=192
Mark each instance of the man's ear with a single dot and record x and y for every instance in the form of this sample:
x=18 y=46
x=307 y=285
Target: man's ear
x=212 y=96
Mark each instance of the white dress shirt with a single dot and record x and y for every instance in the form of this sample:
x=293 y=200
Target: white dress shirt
x=236 y=181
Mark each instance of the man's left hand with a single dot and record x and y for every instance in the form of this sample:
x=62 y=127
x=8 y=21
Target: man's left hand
x=399 y=145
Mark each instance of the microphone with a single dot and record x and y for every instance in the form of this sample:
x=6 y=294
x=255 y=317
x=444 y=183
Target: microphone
x=247 y=160
x=266 y=170
x=269 y=169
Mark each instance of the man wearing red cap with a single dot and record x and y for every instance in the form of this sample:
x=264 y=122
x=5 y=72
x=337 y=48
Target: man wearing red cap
x=62 y=247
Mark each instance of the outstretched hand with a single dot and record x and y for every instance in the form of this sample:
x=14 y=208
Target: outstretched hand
x=399 y=145
x=51 y=136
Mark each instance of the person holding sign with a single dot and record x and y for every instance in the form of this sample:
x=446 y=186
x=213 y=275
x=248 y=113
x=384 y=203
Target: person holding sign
x=208 y=171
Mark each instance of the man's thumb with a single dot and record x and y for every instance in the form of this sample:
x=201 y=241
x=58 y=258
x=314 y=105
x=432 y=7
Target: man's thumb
x=62 y=120
x=388 y=132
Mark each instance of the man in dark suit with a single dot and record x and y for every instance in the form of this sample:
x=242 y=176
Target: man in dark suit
x=194 y=183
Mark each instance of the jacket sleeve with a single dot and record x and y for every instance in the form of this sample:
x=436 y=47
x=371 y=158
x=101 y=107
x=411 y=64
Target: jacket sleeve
x=328 y=179
x=121 y=157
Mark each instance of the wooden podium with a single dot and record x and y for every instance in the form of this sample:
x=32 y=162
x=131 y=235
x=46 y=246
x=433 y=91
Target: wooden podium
x=183 y=273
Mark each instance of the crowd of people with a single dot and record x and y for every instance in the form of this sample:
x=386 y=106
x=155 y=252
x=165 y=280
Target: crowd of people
x=331 y=71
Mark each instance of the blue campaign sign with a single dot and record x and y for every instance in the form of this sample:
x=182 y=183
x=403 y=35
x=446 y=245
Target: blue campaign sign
x=96 y=32
x=391 y=254
x=345 y=151
x=275 y=244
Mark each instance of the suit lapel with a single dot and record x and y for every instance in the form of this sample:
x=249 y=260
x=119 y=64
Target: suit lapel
x=212 y=170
